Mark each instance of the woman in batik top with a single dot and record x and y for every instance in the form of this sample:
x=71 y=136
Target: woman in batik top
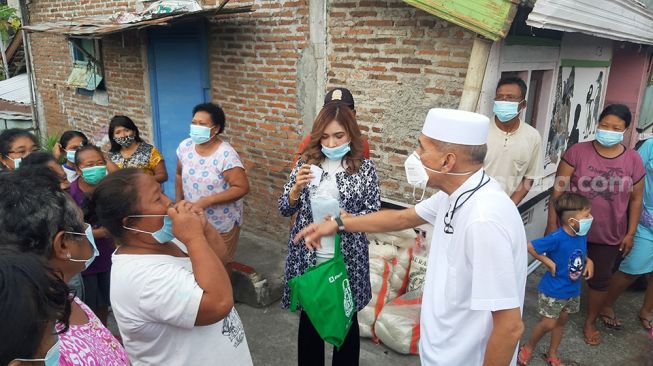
x=349 y=180
x=128 y=150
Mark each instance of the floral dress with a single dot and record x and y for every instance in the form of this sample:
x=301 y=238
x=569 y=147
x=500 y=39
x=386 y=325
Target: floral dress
x=203 y=176
x=146 y=157
x=90 y=344
x=359 y=195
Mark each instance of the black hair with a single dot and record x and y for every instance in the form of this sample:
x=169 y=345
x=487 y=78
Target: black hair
x=122 y=121
x=86 y=205
x=33 y=209
x=217 y=114
x=87 y=148
x=115 y=198
x=69 y=135
x=38 y=158
x=617 y=110
x=7 y=137
x=514 y=80
x=570 y=202
x=32 y=296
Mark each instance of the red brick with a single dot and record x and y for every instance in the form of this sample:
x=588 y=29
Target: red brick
x=415 y=61
x=407 y=70
x=383 y=77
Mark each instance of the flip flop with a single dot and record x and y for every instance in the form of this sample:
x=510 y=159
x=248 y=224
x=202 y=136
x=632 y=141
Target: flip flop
x=594 y=339
x=647 y=321
x=523 y=357
x=552 y=361
x=607 y=319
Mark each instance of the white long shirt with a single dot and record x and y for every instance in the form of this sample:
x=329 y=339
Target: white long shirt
x=478 y=269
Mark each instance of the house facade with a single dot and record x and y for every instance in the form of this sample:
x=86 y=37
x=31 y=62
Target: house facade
x=269 y=65
x=269 y=69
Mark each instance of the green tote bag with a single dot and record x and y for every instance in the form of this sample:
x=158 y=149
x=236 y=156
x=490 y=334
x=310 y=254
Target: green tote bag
x=324 y=294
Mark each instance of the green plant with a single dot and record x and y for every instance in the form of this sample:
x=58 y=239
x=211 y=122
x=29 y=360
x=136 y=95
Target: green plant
x=9 y=22
x=48 y=142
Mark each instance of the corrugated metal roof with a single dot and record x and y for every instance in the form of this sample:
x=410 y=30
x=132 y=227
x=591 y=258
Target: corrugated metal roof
x=647 y=3
x=622 y=20
x=16 y=89
x=98 y=26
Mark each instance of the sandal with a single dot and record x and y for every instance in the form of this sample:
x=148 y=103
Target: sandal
x=610 y=321
x=523 y=357
x=552 y=361
x=594 y=338
x=649 y=322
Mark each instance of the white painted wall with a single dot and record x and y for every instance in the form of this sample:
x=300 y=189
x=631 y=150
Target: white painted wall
x=578 y=46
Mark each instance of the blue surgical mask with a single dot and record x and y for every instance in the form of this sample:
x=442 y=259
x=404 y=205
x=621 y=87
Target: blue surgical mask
x=505 y=111
x=93 y=175
x=89 y=235
x=609 y=138
x=17 y=162
x=51 y=358
x=200 y=134
x=163 y=235
x=336 y=153
x=583 y=226
x=70 y=155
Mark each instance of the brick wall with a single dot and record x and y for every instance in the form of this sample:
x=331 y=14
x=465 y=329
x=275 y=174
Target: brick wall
x=398 y=62
x=253 y=62
x=53 y=10
x=63 y=107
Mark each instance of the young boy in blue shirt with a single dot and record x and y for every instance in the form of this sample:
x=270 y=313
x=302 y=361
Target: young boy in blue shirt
x=564 y=253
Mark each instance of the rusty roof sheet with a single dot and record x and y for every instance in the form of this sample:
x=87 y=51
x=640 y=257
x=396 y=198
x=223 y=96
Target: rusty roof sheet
x=99 y=26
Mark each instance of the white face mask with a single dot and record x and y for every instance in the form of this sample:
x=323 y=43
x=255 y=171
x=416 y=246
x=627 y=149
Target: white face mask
x=416 y=174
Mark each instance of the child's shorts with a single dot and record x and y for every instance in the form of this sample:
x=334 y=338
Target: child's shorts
x=550 y=307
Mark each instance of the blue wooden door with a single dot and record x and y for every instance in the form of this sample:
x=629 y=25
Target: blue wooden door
x=178 y=81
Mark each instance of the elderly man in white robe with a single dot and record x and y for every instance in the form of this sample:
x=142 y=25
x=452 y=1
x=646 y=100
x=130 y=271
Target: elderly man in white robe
x=476 y=274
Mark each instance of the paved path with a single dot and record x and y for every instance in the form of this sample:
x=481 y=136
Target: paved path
x=272 y=332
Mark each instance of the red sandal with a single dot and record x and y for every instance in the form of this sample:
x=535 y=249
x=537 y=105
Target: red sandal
x=523 y=357
x=553 y=361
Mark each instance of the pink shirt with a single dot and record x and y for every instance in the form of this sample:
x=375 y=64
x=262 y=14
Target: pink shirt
x=608 y=183
x=90 y=344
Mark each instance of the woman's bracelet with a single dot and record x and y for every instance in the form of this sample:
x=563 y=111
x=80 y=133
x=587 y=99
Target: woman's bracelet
x=293 y=198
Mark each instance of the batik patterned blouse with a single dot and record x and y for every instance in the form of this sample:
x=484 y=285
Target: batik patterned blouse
x=359 y=195
x=146 y=157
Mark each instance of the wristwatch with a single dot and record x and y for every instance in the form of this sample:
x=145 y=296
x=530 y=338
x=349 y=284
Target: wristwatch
x=341 y=225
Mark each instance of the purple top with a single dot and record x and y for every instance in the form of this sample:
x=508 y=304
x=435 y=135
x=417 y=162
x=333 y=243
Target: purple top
x=105 y=246
x=608 y=183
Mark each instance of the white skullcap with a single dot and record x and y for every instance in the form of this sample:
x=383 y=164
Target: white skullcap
x=456 y=126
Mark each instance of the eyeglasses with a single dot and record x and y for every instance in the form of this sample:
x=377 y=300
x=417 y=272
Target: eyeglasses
x=23 y=153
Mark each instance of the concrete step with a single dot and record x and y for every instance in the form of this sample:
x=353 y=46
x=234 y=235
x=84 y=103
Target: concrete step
x=258 y=271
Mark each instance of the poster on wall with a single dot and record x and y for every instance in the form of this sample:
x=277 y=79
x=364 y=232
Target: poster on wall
x=577 y=104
